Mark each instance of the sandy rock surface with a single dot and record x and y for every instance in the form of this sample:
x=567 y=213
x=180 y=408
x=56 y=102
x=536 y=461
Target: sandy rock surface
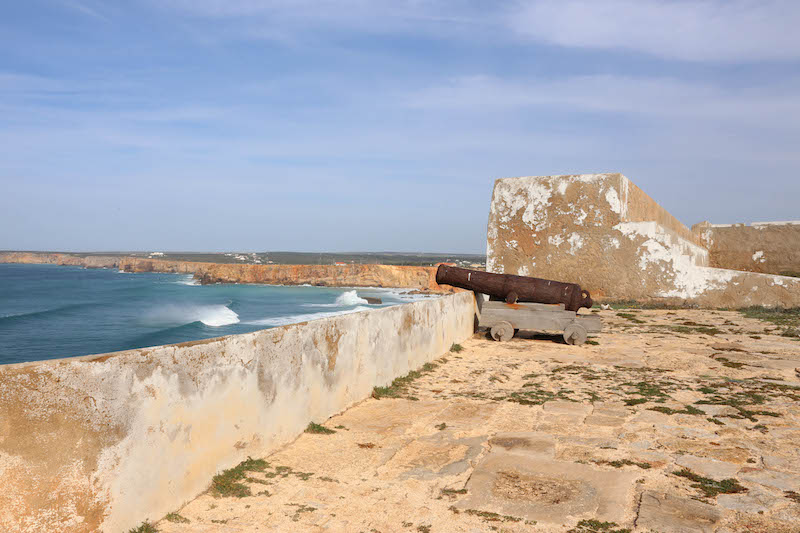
x=674 y=421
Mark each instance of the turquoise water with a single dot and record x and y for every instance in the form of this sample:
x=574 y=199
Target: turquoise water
x=49 y=311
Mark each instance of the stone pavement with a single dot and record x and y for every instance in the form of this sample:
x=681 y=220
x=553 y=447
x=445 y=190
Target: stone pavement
x=674 y=421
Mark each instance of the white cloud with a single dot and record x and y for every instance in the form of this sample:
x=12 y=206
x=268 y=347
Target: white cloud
x=693 y=30
x=83 y=9
x=371 y=16
x=665 y=97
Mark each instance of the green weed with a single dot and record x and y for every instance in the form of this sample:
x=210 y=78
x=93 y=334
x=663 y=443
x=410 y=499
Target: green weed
x=596 y=526
x=176 y=518
x=688 y=410
x=624 y=462
x=709 y=487
x=399 y=387
x=319 y=429
x=227 y=483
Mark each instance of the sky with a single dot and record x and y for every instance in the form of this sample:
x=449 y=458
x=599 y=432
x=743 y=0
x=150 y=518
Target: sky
x=380 y=125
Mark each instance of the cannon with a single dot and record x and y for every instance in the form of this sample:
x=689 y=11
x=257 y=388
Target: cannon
x=515 y=289
x=524 y=303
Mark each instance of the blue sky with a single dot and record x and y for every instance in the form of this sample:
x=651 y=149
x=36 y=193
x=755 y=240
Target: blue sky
x=343 y=125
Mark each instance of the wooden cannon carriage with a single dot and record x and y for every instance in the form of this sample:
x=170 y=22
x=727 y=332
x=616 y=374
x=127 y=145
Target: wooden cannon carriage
x=503 y=320
x=522 y=302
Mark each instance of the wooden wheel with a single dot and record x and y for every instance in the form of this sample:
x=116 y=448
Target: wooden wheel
x=575 y=334
x=502 y=331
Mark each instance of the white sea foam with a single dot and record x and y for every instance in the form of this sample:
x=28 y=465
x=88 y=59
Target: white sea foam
x=188 y=280
x=294 y=319
x=349 y=298
x=217 y=315
x=210 y=315
x=346 y=299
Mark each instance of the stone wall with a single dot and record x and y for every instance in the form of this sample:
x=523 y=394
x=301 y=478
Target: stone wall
x=105 y=442
x=766 y=247
x=603 y=232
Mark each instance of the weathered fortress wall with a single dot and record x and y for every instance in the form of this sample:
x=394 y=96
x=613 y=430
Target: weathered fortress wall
x=603 y=232
x=766 y=247
x=104 y=442
x=415 y=277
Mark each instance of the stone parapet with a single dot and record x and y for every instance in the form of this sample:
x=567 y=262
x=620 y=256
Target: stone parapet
x=102 y=442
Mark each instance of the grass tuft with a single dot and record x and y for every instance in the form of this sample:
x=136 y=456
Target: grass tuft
x=492 y=517
x=456 y=348
x=319 y=429
x=145 y=527
x=624 y=462
x=596 y=526
x=176 y=518
x=227 y=484
x=709 y=487
x=788 y=319
x=631 y=317
x=399 y=388
x=688 y=410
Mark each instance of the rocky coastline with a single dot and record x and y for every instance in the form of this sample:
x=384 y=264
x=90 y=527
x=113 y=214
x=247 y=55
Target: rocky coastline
x=418 y=278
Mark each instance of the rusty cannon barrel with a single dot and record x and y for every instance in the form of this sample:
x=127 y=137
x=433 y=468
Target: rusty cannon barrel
x=514 y=289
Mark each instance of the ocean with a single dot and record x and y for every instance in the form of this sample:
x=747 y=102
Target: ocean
x=49 y=311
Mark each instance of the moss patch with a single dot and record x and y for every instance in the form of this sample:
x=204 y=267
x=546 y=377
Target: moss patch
x=619 y=463
x=688 y=410
x=788 y=320
x=743 y=394
x=596 y=526
x=176 y=518
x=630 y=317
x=488 y=516
x=709 y=487
x=688 y=330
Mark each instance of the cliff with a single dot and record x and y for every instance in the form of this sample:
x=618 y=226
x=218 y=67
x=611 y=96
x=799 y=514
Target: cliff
x=413 y=277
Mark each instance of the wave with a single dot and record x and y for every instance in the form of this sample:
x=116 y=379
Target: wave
x=210 y=315
x=303 y=317
x=188 y=280
x=45 y=312
x=349 y=298
x=346 y=299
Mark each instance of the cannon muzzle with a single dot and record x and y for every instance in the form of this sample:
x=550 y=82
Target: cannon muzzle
x=514 y=289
